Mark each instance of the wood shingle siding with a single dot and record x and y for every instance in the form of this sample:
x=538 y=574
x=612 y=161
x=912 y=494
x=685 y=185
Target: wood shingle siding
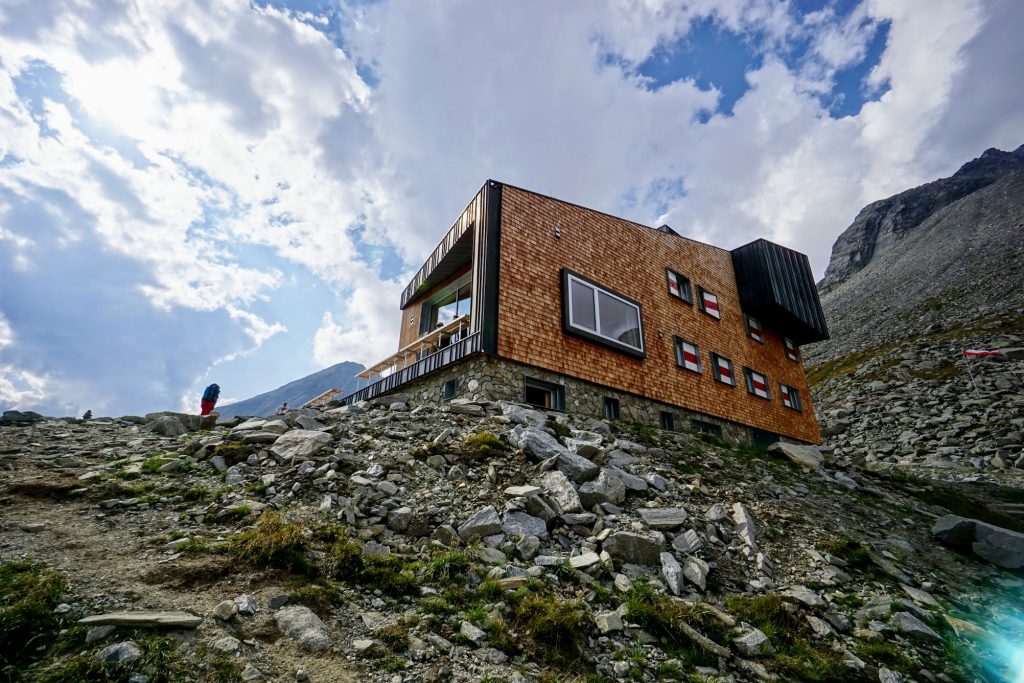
x=631 y=259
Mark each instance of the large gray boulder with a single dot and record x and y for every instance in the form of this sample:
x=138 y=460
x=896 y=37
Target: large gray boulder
x=304 y=627
x=524 y=416
x=484 y=522
x=806 y=456
x=520 y=524
x=607 y=488
x=561 y=492
x=300 y=443
x=167 y=425
x=1002 y=547
x=636 y=548
x=576 y=467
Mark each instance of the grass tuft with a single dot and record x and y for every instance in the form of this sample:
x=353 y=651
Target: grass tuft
x=29 y=592
x=273 y=543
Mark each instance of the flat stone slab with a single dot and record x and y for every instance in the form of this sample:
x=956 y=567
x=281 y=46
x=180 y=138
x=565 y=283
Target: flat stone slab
x=144 y=619
x=522 y=490
x=663 y=518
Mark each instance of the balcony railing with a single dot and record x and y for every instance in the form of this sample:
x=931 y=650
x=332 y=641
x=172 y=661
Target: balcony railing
x=455 y=351
x=411 y=353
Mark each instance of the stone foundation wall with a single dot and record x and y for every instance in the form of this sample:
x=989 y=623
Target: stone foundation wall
x=487 y=378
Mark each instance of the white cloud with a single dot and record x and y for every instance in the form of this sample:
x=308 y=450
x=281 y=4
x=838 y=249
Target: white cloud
x=6 y=333
x=370 y=329
x=20 y=388
x=224 y=147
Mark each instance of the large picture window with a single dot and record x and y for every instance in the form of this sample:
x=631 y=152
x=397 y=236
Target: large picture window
x=448 y=304
x=601 y=315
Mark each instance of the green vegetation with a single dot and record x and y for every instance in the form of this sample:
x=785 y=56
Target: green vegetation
x=796 y=657
x=152 y=464
x=850 y=551
x=321 y=597
x=552 y=630
x=669 y=618
x=447 y=567
x=160 y=662
x=273 y=543
x=484 y=443
x=29 y=592
x=395 y=637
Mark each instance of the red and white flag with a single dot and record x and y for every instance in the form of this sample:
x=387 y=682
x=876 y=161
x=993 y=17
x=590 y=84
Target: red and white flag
x=711 y=304
x=982 y=352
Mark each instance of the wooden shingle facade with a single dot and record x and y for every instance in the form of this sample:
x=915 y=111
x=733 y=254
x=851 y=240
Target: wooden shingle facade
x=571 y=292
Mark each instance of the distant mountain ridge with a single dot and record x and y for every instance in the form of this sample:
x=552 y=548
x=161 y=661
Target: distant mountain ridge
x=933 y=257
x=879 y=225
x=340 y=376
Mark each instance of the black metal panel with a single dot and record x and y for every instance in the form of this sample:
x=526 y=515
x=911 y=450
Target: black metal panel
x=487 y=259
x=432 y=363
x=776 y=286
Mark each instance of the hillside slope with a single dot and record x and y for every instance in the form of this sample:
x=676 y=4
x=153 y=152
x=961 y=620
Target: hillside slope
x=961 y=262
x=484 y=541
x=340 y=376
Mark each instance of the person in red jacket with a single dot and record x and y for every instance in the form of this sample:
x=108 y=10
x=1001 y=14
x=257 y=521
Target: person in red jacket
x=210 y=397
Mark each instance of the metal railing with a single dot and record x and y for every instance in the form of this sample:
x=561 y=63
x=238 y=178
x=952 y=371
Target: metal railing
x=455 y=351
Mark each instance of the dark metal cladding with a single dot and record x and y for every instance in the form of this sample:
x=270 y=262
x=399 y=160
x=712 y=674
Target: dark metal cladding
x=776 y=286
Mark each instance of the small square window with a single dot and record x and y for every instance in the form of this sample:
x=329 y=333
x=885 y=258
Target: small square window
x=754 y=329
x=790 y=397
x=792 y=351
x=679 y=286
x=706 y=428
x=611 y=408
x=687 y=355
x=668 y=421
x=757 y=384
x=543 y=394
x=451 y=387
x=723 y=369
x=708 y=303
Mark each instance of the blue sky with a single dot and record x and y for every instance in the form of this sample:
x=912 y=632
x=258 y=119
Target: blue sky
x=237 y=192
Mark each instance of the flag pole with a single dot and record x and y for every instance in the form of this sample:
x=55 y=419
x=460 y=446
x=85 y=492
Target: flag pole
x=971 y=375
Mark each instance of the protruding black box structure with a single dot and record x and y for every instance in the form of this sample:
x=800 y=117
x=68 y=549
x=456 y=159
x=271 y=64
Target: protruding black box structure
x=777 y=287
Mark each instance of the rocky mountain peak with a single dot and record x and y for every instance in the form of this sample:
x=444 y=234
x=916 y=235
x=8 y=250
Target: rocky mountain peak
x=880 y=225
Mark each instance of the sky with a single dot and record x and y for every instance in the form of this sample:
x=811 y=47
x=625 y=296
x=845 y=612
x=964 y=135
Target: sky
x=237 y=191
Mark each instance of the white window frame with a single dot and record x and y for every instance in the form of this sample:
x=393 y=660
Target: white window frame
x=571 y=278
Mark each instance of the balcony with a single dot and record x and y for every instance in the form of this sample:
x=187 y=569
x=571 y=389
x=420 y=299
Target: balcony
x=427 y=354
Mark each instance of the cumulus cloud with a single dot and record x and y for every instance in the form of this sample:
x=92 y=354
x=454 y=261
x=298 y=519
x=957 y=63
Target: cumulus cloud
x=217 y=182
